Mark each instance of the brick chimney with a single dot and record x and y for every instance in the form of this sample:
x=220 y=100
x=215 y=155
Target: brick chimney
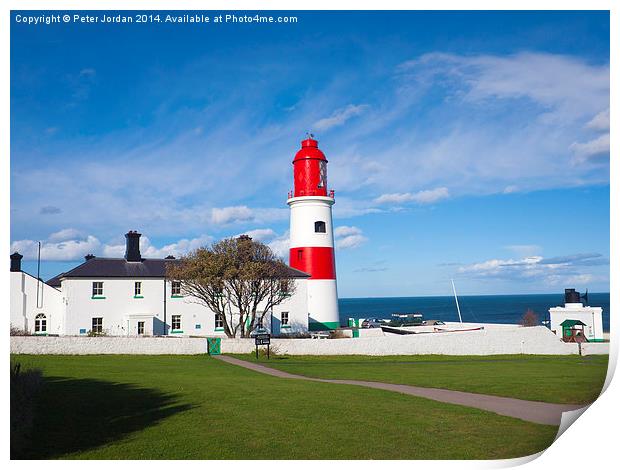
x=16 y=262
x=132 y=252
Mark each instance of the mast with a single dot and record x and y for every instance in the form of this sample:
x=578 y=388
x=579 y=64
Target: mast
x=456 y=299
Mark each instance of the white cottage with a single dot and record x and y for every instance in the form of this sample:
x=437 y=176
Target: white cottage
x=129 y=296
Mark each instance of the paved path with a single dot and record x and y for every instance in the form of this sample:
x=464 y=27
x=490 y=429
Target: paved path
x=534 y=411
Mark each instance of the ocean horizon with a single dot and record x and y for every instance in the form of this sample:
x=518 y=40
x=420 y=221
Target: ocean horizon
x=507 y=308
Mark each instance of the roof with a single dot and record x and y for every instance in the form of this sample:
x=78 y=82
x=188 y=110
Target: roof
x=571 y=323
x=120 y=267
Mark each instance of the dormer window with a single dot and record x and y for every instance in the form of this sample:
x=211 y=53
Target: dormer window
x=319 y=226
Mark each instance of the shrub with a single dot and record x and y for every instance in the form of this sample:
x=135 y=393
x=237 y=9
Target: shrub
x=92 y=333
x=529 y=318
x=16 y=331
x=273 y=350
x=24 y=387
x=337 y=334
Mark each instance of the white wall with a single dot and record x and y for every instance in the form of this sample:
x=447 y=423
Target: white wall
x=534 y=340
x=23 y=306
x=306 y=210
x=517 y=340
x=106 y=345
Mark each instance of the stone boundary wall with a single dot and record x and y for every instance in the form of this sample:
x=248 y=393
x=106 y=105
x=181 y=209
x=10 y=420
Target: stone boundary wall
x=534 y=340
x=590 y=349
x=106 y=345
x=516 y=340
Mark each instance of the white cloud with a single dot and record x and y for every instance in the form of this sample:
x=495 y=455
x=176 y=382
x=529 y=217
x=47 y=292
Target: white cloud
x=244 y=214
x=566 y=87
x=552 y=271
x=600 y=122
x=259 y=234
x=64 y=235
x=114 y=251
x=586 y=150
x=339 y=117
x=177 y=249
x=89 y=72
x=281 y=245
x=66 y=250
x=347 y=237
x=227 y=215
x=148 y=250
x=421 y=197
x=60 y=246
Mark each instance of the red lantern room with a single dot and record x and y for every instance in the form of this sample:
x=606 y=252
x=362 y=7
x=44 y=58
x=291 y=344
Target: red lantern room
x=310 y=170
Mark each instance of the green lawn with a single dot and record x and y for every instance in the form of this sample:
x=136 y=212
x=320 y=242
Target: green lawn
x=555 y=379
x=195 y=407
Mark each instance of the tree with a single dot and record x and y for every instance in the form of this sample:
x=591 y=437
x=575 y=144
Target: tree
x=529 y=318
x=239 y=279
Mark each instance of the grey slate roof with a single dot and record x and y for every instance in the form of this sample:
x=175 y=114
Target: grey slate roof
x=120 y=267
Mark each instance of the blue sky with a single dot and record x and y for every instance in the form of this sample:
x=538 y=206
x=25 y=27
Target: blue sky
x=472 y=146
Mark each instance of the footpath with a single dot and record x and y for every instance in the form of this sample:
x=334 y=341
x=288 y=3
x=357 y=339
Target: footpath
x=533 y=411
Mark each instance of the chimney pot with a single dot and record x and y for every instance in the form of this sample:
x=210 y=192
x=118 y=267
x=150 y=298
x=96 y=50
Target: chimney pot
x=16 y=262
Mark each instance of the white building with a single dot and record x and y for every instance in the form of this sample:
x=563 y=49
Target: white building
x=129 y=296
x=573 y=309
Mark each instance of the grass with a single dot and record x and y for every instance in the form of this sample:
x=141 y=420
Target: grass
x=554 y=379
x=196 y=407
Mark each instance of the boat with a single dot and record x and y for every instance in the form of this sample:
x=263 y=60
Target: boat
x=406 y=319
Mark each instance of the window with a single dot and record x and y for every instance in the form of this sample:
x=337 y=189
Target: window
x=284 y=320
x=97 y=325
x=97 y=289
x=137 y=289
x=219 y=321
x=176 y=323
x=40 y=323
x=322 y=175
x=319 y=226
x=140 y=326
x=176 y=288
x=300 y=254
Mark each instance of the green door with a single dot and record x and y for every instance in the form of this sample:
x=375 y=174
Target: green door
x=214 y=346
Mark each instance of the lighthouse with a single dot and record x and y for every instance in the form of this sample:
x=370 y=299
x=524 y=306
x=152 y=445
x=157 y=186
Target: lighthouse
x=312 y=235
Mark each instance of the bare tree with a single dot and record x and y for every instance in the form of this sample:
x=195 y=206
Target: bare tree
x=239 y=279
x=529 y=318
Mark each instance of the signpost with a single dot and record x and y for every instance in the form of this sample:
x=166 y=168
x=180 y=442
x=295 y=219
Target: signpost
x=261 y=338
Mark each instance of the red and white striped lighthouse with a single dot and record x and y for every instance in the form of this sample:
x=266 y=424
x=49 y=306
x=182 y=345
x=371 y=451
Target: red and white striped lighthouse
x=312 y=235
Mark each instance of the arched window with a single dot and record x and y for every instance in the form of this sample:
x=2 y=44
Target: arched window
x=319 y=226
x=40 y=323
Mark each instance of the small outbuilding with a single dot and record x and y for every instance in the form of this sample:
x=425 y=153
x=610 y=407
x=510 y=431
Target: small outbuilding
x=572 y=331
x=573 y=309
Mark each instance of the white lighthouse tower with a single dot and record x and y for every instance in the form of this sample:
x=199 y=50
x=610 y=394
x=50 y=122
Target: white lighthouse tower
x=312 y=235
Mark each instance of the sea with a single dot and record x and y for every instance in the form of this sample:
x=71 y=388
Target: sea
x=474 y=308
